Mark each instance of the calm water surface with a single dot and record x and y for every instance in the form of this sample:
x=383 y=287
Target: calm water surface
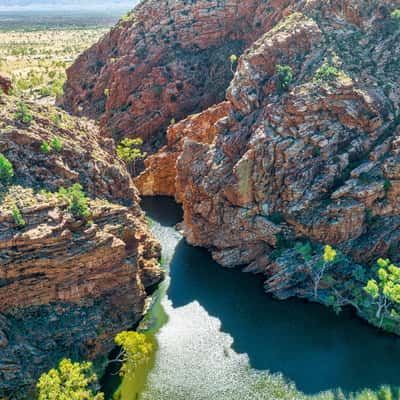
x=219 y=332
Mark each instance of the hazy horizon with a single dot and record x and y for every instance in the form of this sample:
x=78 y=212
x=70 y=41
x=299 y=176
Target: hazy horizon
x=66 y=5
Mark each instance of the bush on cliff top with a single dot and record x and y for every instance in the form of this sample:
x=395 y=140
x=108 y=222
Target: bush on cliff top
x=326 y=73
x=78 y=202
x=6 y=170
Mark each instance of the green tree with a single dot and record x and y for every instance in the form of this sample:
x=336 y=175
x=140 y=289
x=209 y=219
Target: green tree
x=385 y=290
x=318 y=270
x=6 y=170
x=23 y=114
x=233 y=60
x=129 y=151
x=70 y=381
x=285 y=76
x=136 y=350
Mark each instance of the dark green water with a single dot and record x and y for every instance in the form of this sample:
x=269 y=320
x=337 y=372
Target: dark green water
x=222 y=330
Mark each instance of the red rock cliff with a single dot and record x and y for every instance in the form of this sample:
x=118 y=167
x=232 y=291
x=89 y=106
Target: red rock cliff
x=67 y=284
x=164 y=60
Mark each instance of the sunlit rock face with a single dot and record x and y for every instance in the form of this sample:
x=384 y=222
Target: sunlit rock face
x=67 y=284
x=303 y=144
x=316 y=161
x=164 y=60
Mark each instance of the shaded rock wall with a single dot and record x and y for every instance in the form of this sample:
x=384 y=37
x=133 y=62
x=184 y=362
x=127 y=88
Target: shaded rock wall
x=167 y=59
x=67 y=284
x=317 y=161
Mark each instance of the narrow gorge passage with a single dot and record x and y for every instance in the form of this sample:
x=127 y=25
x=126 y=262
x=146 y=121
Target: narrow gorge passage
x=222 y=333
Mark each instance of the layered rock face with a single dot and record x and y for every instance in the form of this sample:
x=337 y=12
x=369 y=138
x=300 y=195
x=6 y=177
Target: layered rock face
x=308 y=152
x=317 y=161
x=164 y=61
x=305 y=146
x=68 y=284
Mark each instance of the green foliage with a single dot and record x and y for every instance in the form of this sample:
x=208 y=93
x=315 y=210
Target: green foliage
x=23 y=114
x=233 y=60
x=136 y=350
x=45 y=147
x=371 y=219
x=359 y=273
x=78 y=202
x=326 y=73
x=57 y=144
x=276 y=218
x=396 y=14
x=6 y=170
x=305 y=250
x=385 y=289
x=285 y=76
x=19 y=220
x=129 y=151
x=70 y=381
x=318 y=269
x=387 y=185
x=329 y=254
x=129 y=17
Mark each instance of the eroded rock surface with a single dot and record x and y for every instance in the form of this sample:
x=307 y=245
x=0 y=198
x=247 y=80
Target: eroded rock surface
x=164 y=60
x=68 y=284
x=316 y=161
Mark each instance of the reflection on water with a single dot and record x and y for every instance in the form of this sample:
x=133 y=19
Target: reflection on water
x=220 y=323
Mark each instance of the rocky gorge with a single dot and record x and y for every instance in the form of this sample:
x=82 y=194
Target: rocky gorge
x=302 y=150
x=68 y=284
x=275 y=124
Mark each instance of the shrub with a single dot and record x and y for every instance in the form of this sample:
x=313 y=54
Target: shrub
x=6 y=170
x=284 y=75
x=19 y=220
x=45 y=91
x=78 y=202
x=71 y=380
x=326 y=73
x=57 y=144
x=23 y=114
x=45 y=147
x=396 y=14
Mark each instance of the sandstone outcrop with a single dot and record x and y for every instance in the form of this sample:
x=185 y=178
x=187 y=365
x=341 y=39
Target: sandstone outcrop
x=305 y=146
x=163 y=61
x=68 y=284
x=315 y=161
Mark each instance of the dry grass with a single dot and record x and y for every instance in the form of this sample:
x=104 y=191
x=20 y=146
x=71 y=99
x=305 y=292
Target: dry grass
x=36 y=61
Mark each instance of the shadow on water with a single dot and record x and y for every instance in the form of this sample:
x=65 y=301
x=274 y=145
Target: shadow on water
x=162 y=209
x=308 y=343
